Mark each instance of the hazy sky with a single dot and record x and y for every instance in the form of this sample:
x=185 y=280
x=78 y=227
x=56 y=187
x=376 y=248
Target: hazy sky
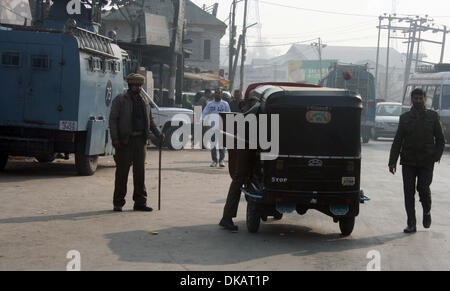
x=337 y=23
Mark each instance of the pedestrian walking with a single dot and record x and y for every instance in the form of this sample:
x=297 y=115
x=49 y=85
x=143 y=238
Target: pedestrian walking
x=215 y=107
x=419 y=142
x=236 y=102
x=205 y=99
x=130 y=124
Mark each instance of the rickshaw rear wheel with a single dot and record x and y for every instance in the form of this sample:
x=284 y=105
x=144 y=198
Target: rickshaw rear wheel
x=253 y=217
x=346 y=225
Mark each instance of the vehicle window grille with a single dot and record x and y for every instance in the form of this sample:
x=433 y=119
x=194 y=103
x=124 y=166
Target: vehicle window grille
x=11 y=59
x=40 y=62
x=93 y=42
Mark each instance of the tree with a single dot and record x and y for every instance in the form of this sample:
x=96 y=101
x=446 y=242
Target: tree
x=128 y=14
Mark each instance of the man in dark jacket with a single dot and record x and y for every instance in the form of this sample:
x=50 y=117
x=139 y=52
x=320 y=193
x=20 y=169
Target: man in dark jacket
x=130 y=123
x=420 y=143
x=236 y=102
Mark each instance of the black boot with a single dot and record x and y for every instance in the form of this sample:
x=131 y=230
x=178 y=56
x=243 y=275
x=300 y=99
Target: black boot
x=142 y=208
x=227 y=223
x=427 y=220
x=409 y=229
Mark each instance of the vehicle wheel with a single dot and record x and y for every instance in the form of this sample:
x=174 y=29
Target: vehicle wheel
x=253 y=217
x=45 y=158
x=86 y=165
x=3 y=161
x=346 y=225
x=168 y=137
x=278 y=215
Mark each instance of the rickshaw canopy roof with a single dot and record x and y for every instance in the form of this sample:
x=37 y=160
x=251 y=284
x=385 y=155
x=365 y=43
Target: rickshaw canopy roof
x=305 y=96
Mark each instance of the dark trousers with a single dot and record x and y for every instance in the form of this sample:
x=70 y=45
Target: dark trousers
x=424 y=177
x=126 y=155
x=239 y=160
x=214 y=150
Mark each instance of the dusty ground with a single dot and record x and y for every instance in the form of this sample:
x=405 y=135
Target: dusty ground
x=47 y=210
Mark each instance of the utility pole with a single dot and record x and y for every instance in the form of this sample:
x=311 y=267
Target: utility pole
x=378 y=52
x=176 y=47
x=387 y=59
x=412 y=41
x=414 y=31
x=244 y=52
x=235 y=61
x=232 y=42
x=319 y=46
x=443 y=43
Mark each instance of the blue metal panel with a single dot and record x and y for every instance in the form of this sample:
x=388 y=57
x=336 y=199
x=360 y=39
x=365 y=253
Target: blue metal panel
x=96 y=137
x=97 y=89
x=43 y=88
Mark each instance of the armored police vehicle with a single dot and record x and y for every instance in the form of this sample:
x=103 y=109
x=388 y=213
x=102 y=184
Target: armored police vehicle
x=58 y=79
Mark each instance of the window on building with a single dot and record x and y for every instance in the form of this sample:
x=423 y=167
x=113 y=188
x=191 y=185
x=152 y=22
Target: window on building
x=207 y=49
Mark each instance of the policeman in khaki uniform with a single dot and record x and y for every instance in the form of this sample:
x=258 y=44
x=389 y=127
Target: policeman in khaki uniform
x=420 y=143
x=130 y=123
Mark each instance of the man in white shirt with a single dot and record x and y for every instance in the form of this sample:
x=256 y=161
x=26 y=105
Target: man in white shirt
x=215 y=107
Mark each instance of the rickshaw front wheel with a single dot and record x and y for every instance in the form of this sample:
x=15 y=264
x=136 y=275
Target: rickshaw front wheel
x=253 y=217
x=278 y=215
x=346 y=225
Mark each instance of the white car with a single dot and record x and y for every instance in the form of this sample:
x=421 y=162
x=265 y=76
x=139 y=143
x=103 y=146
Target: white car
x=387 y=115
x=164 y=117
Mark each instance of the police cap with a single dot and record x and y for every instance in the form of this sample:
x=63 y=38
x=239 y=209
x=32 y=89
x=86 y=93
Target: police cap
x=136 y=79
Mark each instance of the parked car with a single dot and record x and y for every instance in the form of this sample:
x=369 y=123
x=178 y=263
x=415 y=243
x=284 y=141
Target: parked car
x=386 y=119
x=164 y=117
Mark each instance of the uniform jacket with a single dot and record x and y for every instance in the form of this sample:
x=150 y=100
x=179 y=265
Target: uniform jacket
x=419 y=139
x=121 y=122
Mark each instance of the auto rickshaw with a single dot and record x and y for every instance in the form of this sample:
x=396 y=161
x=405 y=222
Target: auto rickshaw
x=319 y=161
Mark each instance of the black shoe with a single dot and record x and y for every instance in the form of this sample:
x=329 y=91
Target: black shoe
x=427 y=220
x=117 y=208
x=142 y=208
x=410 y=229
x=227 y=223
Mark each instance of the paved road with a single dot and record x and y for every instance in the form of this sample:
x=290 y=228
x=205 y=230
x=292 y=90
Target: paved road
x=47 y=210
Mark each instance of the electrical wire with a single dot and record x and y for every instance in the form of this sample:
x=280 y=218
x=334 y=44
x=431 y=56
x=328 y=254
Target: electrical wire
x=351 y=27
x=319 y=11
x=283 y=44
